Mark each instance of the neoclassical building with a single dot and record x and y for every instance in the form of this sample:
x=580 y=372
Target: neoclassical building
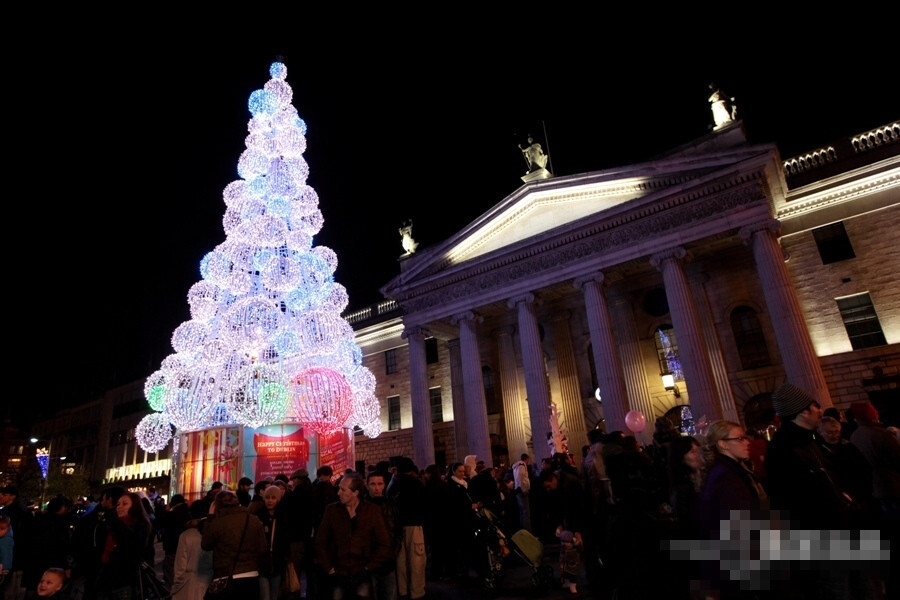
x=704 y=278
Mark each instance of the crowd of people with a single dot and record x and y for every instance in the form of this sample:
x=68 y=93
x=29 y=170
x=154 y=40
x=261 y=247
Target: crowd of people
x=615 y=514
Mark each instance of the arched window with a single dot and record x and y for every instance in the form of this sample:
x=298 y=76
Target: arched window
x=749 y=338
x=667 y=352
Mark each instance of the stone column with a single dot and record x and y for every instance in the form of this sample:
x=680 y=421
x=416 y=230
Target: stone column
x=692 y=350
x=423 y=436
x=629 y=345
x=716 y=357
x=535 y=370
x=473 y=386
x=801 y=364
x=459 y=400
x=515 y=411
x=614 y=398
x=570 y=394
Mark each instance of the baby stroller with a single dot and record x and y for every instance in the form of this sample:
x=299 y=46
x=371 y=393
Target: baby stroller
x=500 y=549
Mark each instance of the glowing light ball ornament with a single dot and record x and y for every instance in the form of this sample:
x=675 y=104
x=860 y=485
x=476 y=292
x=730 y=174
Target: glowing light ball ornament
x=153 y=432
x=266 y=342
x=322 y=399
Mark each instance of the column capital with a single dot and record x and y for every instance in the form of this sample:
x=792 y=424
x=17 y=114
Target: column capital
x=466 y=316
x=677 y=253
x=412 y=330
x=597 y=278
x=747 y=231
x=505 y=330
x=515 y=301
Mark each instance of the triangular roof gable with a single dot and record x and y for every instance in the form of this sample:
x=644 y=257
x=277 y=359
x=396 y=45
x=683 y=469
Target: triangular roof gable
x=540 y=207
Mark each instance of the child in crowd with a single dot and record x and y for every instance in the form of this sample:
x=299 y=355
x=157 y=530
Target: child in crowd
x=51 y=584
x=569 y=558
x=6 y=550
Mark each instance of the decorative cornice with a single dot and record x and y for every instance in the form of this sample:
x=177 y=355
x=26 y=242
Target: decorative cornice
x=379 y=333
x=808 y=201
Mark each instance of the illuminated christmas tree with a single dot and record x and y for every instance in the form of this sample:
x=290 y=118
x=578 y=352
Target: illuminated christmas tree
x=266 y=342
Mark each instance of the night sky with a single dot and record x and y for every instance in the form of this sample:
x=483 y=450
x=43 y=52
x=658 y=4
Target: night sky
x=124 y=141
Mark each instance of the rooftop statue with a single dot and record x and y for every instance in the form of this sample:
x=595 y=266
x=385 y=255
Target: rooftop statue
x=536 y=160
x=406 y=239
x=724 y=109
x=534 y=155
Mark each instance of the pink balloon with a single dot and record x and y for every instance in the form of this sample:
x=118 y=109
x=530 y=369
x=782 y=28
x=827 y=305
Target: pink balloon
x=635 y=421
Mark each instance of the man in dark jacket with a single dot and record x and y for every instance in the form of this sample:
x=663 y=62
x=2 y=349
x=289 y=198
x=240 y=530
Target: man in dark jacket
x=798 y=476
x=800 y=481
x=243 y=490
x=323 y=493
x=298 y=522
x=352 y=542
x=89 y=537
x=385 y=578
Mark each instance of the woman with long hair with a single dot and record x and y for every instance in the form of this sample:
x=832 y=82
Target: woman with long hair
x=685 y=477
x=129 y=542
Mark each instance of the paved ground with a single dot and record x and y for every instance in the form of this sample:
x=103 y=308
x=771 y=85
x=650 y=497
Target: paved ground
x=515 y=581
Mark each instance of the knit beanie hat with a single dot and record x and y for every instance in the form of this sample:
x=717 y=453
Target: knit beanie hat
x=789 y=400
x=864 y=411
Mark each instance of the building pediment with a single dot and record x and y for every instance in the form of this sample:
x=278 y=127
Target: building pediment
x=568 y=218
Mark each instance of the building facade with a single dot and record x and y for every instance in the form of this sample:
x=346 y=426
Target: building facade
x=703 y=279
x=93 y=444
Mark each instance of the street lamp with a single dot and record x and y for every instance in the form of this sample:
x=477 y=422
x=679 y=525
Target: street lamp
x=668 y=380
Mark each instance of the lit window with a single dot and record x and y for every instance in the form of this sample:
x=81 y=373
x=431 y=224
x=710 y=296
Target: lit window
x=861 y=322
